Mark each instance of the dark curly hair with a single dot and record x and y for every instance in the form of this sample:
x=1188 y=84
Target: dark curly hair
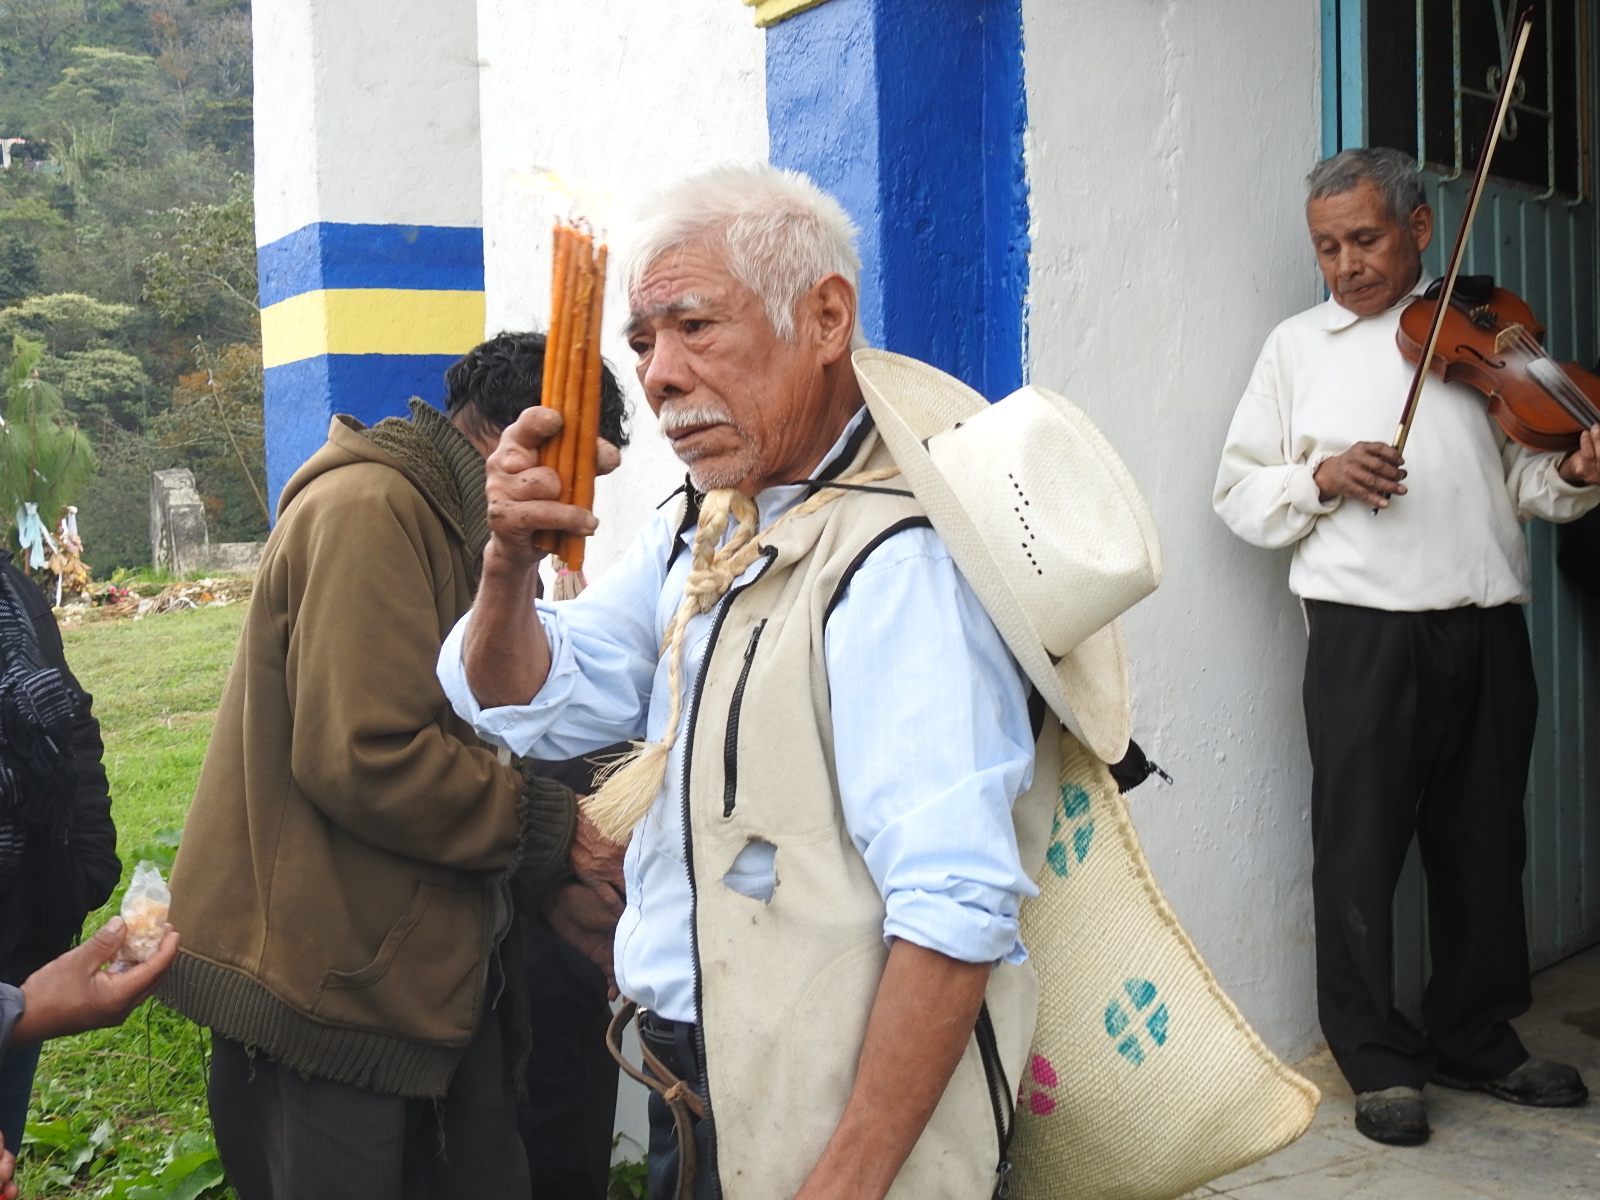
x=495 y=381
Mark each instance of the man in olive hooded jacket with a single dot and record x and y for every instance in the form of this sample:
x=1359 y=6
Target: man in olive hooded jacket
x=343 y=882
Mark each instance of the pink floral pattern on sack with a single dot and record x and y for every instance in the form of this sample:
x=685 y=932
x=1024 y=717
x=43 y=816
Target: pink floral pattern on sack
x=1042 y=1080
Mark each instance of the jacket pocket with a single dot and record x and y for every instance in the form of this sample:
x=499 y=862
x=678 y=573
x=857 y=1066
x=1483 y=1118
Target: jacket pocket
x=396 y=937
x=730 y=746
x=425 y=982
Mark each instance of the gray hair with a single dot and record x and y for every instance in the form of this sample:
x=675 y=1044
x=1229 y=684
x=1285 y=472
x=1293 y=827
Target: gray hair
x=1392 y=172
x=781 y=234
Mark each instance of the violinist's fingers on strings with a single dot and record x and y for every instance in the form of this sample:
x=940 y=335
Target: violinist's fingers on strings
x=1582 y=466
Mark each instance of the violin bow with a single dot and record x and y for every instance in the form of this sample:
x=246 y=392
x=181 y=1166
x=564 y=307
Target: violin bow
x=1502 y=106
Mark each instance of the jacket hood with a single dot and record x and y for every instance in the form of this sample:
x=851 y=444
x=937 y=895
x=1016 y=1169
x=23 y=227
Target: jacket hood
x=346 y=445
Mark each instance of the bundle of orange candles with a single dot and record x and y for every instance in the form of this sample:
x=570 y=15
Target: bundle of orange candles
x=572 y=375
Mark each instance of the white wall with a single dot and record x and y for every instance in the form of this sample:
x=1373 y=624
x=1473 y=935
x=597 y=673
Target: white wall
x=625 y=98
x=343 y=135
x=1168 y=145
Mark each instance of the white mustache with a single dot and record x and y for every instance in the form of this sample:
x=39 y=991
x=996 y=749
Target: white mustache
x=674 y=419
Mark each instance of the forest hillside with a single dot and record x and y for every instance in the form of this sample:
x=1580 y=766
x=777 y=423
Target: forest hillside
x=127 y=256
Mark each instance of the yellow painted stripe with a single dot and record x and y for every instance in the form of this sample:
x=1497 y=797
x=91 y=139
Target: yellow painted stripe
x=770 y=12
x=370 y=321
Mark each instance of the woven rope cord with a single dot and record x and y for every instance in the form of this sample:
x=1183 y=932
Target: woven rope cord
x=629 y=784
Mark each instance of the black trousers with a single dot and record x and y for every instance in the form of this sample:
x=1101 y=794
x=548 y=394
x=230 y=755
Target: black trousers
x=676 y=1044
x=1420 y=723
x=570 y=1111
x=284 y=1136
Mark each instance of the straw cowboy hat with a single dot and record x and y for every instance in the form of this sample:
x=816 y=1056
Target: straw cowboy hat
x=1044 y=521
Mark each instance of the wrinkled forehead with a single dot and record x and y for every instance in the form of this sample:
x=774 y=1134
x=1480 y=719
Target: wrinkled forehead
x=682 y=280
x=1355 y=211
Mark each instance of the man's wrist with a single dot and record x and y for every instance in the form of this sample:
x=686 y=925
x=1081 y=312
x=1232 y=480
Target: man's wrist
x=1561 y=471
x=508 y=561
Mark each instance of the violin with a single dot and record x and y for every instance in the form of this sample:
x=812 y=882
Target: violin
x=1490 y=340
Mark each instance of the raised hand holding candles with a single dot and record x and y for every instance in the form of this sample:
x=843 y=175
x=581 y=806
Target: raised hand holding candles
x=572 y=375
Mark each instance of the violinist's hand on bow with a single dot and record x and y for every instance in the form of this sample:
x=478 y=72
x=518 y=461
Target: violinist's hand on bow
x=1581 y=467
x=524 y=498
x=1369 y=472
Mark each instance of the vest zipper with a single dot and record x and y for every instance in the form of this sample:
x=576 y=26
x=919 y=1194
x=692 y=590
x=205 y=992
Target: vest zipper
x=688 y=839
x=730 y=747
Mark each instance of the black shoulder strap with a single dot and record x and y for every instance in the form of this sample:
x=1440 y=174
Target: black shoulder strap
x=866 y=553
x=852 y=448
x=691 y=517
x=1000 y=1096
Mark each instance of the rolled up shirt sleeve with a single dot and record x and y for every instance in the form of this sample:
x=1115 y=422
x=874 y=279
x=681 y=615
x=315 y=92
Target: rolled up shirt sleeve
x=1263 y=496
x=603 y=653
x=1266 y=490
x=932 y=745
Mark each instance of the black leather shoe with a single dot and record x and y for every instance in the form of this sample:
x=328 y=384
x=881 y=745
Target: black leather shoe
x=1395 y=1116
x=1537 y=1083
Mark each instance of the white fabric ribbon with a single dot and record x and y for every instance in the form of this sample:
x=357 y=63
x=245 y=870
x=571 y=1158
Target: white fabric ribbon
x=33 y=536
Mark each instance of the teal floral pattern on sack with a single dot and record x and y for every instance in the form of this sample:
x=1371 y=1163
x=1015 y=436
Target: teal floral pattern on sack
x=1073 y=831
x=1119 y=1024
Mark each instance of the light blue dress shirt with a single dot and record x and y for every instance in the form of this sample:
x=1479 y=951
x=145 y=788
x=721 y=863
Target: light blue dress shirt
x=931 y=731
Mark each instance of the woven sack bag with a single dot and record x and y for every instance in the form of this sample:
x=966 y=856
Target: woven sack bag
x=1144 y=1081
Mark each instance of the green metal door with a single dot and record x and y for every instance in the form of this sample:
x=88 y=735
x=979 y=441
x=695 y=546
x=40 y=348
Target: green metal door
x=1420 y=75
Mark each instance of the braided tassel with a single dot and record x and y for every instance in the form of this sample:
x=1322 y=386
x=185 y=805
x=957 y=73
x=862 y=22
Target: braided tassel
x=629 y=784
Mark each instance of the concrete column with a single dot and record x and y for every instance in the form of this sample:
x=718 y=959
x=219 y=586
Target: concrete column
x=914 y=116
x=368 y=209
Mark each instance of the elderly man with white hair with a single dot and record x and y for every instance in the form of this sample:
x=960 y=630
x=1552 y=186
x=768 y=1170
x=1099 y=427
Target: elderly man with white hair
x=824 y=871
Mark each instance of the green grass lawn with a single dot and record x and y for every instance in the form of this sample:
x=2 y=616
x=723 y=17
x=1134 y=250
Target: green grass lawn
x=156 y=684
x=120 y=1113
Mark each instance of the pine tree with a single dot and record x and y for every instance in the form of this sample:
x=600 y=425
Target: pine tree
x=45 y=459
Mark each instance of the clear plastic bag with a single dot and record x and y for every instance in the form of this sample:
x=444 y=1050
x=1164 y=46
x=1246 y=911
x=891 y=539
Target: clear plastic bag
x=144 y=909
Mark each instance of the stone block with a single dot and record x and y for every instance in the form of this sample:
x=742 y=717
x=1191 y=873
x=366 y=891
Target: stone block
x=236 y=558
x=179 y=542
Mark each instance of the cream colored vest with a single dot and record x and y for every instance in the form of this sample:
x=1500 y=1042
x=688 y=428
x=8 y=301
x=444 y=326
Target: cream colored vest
x=786 y=986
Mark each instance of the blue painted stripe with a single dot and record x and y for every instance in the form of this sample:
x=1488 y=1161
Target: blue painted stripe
x=914 y=117
x=1330 y=77
x=822 y=119
x=332 y=255
x=301 y=398
x=1352 y=74
x=1005 y=199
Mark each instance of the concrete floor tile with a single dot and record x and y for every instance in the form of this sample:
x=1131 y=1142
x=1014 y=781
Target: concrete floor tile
x=1480 y=1147
x=1375 y=1177
x=1314 y=1152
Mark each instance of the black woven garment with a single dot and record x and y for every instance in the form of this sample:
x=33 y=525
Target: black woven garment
x=38 y=775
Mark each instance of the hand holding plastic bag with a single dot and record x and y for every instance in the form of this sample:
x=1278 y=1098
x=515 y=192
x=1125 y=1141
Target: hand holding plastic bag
x=144 y=909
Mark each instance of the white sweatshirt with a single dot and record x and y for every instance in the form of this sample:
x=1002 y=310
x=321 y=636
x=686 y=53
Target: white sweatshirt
x=1327 y=379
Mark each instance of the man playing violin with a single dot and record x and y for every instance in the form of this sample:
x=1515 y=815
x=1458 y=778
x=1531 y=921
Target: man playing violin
x=1419 y=689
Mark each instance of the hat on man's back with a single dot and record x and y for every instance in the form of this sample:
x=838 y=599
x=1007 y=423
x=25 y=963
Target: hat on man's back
x=1044 y=521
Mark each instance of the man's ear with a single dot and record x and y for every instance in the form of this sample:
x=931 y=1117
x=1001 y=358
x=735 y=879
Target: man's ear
x=1421 y=225
x=831 y=304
